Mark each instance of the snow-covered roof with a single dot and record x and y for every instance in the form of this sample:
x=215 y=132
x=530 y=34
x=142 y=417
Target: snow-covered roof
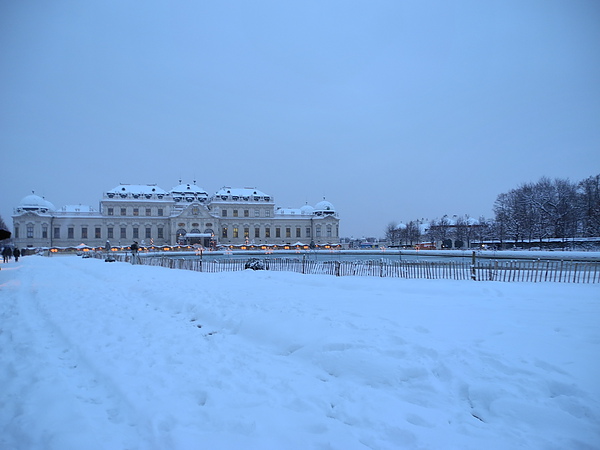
x=236 y=194
x=324 y=205
x=425 y=224
x=77 y=209
x=289 y=211
x=141 y=189
x=189 y=189
x=34 y=202
x=239 y=191
x=455 y=220
x=307 y=210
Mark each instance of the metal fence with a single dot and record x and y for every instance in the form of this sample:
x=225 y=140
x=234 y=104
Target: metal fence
x=480 y=270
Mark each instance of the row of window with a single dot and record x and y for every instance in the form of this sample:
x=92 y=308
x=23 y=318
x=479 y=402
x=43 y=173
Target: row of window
x=84 y=234
x=245 y=198
x=190 y=199
x=125 y=195
x=137 y=232
x=278 y=232
x=110 y=211
x=245 y=212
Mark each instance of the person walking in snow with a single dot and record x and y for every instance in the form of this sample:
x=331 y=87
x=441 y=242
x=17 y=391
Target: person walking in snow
x=16 y=254
x=6 y=254
x=134 y=252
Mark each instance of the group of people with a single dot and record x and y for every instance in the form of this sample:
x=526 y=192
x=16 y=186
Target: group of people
x=8 y=253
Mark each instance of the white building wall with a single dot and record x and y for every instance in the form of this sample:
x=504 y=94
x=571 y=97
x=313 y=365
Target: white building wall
x=191 y=213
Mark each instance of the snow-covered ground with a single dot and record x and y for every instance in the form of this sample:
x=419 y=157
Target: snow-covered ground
x=97 y=355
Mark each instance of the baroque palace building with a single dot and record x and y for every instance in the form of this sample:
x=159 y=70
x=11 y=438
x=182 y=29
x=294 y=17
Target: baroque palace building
x=186 y=215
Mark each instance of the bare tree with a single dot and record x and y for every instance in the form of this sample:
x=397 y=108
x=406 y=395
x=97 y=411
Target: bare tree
x=4 y=233
x=462 y=232
x=589 y=206
x=392 y=233
x=412 y=233
x=3 y=225
x=510 y=215
x=532 y=212
x=549 y=209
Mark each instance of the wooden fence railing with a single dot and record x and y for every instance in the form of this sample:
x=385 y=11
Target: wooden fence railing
x=482 y=270
x=539 y=271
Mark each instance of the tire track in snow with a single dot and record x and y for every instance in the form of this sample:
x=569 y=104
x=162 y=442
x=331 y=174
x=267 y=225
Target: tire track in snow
x=151 y=347
x=67 y=384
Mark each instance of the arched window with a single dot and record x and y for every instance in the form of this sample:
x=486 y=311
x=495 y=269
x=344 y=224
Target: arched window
x=181 y=232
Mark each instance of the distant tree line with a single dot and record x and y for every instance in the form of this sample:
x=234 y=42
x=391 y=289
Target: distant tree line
x=546 y=209
x=452 y=232
x=549 y=209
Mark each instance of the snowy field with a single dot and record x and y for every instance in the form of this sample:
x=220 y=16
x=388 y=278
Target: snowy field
x=97 y=355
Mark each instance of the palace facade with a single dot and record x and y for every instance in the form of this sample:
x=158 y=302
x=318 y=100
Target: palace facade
x=185 y=215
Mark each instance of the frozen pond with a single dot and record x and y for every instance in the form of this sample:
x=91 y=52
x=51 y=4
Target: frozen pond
x=316 y=256
x=386 y=255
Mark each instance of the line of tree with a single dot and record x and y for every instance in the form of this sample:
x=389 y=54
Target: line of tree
x=455 y=231
x=532 y=212
x=549 y=209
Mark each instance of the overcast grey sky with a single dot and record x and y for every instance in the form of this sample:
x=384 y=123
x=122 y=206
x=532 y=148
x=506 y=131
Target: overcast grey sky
x=391 y=110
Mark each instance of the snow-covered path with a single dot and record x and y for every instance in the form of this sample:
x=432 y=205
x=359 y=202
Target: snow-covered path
x=114 y=356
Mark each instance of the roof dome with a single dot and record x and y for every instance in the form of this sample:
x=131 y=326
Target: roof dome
x=35 y=203
x=324 y=206
x=307 y=209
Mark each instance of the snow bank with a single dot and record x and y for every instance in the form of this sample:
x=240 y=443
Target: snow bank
x=97 y=356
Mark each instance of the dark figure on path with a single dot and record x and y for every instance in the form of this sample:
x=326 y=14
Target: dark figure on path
x=16 y=254
x=134 y=252
x=6 y=254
